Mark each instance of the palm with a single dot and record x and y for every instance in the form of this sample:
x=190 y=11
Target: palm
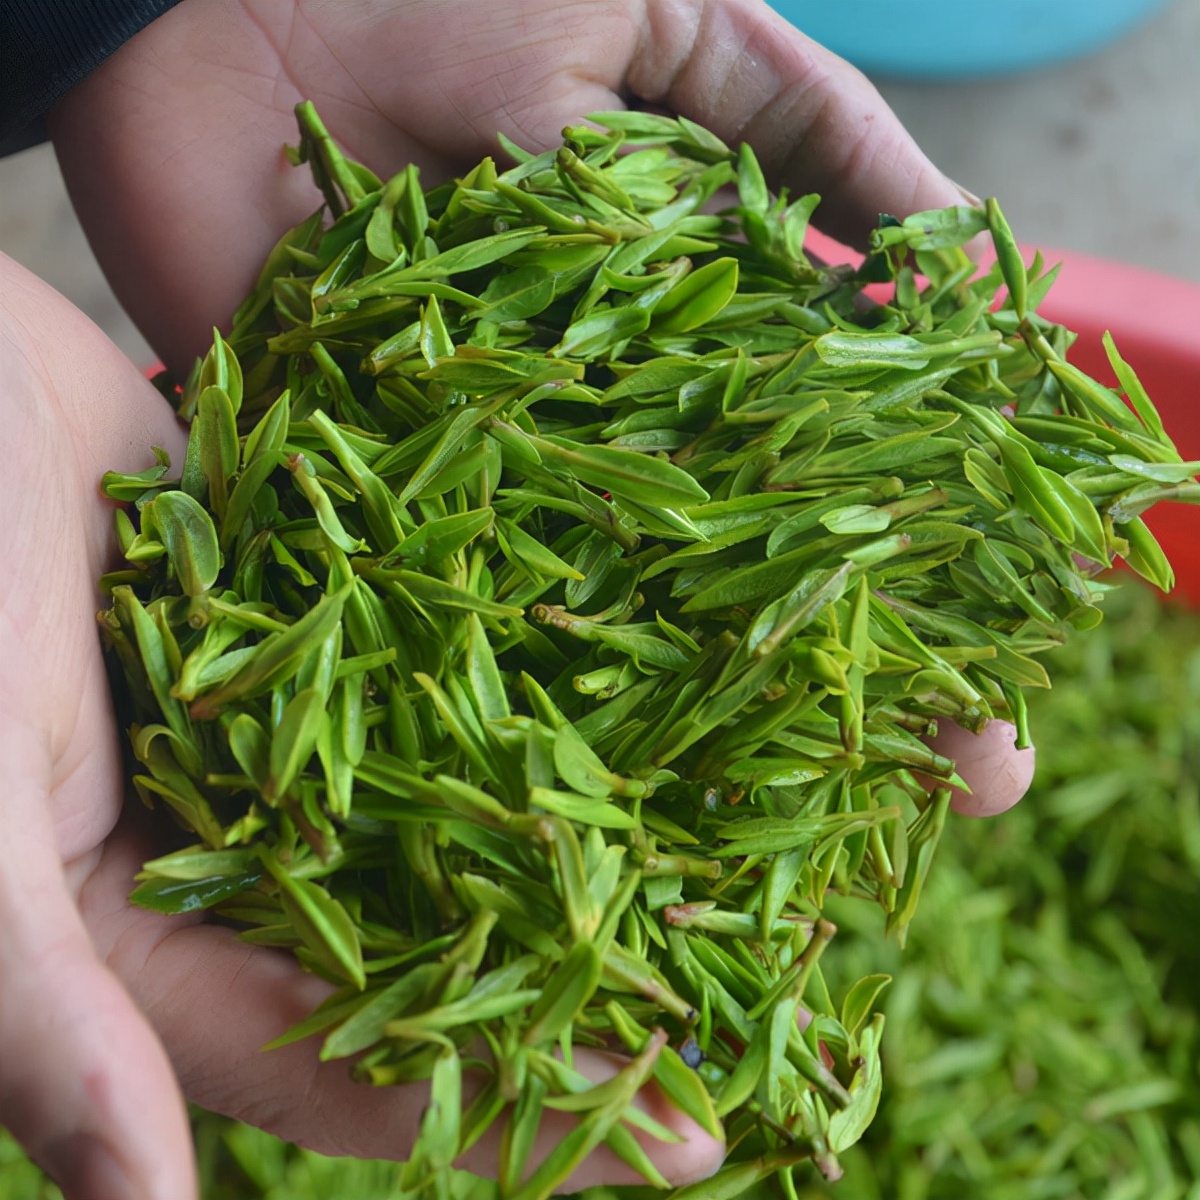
x=172 y=148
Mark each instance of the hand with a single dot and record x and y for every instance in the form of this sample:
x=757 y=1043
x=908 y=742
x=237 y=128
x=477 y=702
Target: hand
x=84 y=1082
x=172 y=149
x=102 y=1005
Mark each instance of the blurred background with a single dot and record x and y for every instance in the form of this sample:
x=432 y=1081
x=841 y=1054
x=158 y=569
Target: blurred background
x=1099 y=154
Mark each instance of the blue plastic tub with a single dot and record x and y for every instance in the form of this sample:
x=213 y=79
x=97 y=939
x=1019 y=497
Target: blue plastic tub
x=949 y=39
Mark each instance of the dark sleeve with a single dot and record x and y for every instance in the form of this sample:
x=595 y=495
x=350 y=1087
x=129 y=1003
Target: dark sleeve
x=48 y=46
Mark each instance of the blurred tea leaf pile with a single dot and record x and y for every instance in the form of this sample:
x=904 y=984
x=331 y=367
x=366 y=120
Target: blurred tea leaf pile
x=1044 y=1027
x=542 y=630
x=1043 y=1033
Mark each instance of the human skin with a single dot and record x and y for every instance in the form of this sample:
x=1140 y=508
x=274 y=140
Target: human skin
x=997 y=773
x=172 y=151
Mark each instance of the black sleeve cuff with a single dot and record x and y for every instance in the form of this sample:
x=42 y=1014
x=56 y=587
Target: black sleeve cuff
x=48 y=46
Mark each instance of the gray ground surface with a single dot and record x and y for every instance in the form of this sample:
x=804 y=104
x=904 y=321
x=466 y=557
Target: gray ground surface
x=1100 y=155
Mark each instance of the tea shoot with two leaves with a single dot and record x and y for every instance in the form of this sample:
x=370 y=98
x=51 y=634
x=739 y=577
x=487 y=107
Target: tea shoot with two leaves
x=560 y=581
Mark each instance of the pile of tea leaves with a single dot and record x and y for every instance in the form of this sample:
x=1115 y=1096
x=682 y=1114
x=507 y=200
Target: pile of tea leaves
x=1042 y=1036
x=561 y=579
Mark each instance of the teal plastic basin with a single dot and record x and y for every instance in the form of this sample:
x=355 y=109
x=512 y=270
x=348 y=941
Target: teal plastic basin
x=950 y=39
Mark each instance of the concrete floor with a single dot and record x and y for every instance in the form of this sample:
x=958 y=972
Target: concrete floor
x=1101 y=155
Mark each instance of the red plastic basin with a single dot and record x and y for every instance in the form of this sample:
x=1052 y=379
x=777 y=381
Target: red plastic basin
x=1155 y=321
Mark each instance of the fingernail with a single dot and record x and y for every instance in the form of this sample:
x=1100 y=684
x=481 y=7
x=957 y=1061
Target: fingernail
x=970 y=197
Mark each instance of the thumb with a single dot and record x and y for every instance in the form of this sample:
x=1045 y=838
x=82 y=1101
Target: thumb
x=816 y=123
x=989 y=762
x=85 y=1085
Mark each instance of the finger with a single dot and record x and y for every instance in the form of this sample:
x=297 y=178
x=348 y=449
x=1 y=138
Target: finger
x=816 y=123
x=736 y=66
x=989 y=762
x=172 y=152
x=71 y=398
x=72 y=406
x=216 y=1001
x=697 y=1154
x=84 y=1084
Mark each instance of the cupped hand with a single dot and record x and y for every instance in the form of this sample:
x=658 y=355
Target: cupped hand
x=172 y=148
x=107 y=1011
